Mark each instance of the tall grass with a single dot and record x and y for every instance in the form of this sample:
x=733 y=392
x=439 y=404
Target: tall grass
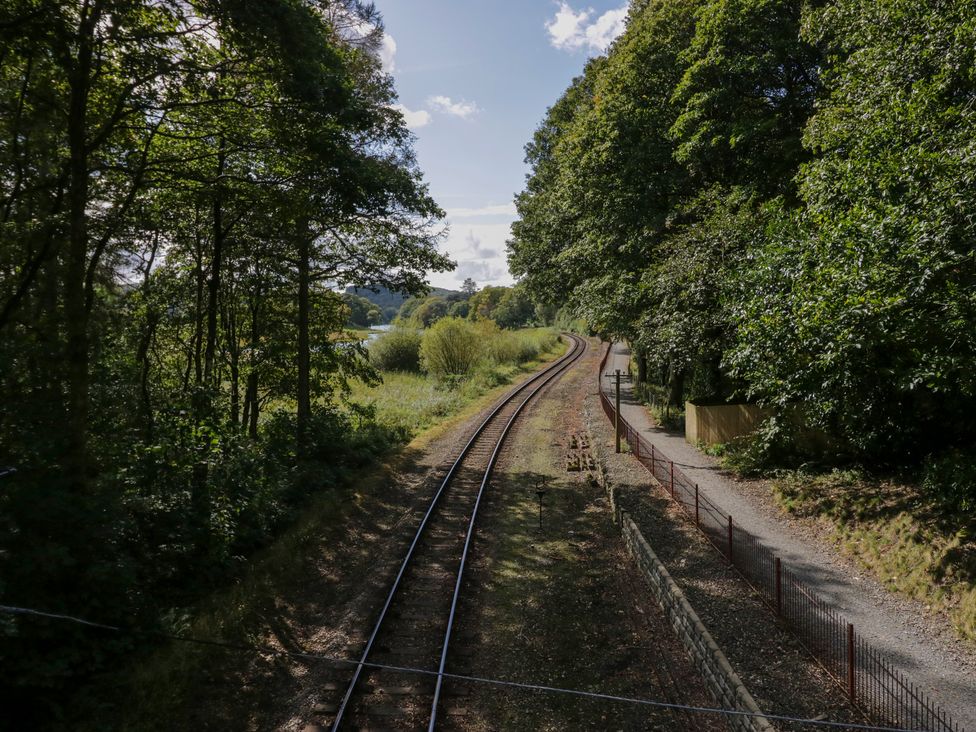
x=413 y=402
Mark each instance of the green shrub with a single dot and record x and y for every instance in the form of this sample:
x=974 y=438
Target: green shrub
x=396 y=350
x=950 y=478
x=515 y=347
x=773 y=445
x=452 y=347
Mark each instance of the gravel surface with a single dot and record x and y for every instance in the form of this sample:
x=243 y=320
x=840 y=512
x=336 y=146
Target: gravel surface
x=562 y=605
x=922 y=646
x=778 y=672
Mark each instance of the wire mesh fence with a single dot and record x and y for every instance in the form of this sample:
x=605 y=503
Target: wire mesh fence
x=871 y=681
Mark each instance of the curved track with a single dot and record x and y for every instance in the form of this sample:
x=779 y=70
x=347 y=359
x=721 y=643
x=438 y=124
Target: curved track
x=414 y=627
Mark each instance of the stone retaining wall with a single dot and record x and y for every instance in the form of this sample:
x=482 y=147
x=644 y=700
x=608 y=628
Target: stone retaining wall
x=719 y=676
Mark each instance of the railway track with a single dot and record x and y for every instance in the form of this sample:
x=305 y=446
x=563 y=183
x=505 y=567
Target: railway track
x=415 y=626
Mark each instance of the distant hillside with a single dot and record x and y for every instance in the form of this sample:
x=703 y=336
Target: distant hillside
x=448 y=294
x=384 y=298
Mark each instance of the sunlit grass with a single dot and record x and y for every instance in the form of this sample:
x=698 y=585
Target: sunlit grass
x=413 y=402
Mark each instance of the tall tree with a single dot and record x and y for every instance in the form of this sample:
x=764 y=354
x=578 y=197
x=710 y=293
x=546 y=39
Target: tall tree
x=862 y=309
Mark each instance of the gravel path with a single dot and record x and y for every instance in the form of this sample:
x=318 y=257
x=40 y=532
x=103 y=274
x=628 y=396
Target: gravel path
x=914 y=642
x=563 y=604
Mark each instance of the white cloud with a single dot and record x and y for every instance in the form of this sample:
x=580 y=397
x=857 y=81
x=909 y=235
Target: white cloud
x=570 y=30
x=387 y=53
x=483 y=273
x=446 y=105
x=474 y=246
x=479 y=250
x=414 y=119
x=506 y=209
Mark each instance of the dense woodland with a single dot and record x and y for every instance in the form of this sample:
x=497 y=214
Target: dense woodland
x=185 y=188
x=774 y=200
x=769 y=199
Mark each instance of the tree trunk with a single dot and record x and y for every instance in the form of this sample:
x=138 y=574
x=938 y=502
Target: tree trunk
x=76 y=315
x=641 y=368
x=216 y=265
x=234 y=351
x=717 y=378
x=304 y=354
x=677 y=388
x=198 y=315
x=252 y=406
x=152 y=320
x=304 y=349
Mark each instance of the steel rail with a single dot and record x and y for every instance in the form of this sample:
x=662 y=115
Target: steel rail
x=578 y=346
x=470 y=533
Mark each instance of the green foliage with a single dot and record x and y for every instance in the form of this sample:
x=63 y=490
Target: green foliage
x=515 y=309
x=749 y=86
x=406 y=403
x=459 y=309
x=514 y=347
x=862 y=308
x=775 y=444
x=770 y=199
x=183 y=185
x=950 y=479
x=429 y=311
x=396 y=350
x=362 y=313
x=482 y=304
x=452 y=347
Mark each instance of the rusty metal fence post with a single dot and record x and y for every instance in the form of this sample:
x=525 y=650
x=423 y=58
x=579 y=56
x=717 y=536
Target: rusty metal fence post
x=779 y=587
x=731 y=557
x=851 y=678
x=616 y=415
x=697 y=519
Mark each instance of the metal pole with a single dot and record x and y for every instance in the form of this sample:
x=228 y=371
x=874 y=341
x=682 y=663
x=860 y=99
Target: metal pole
x=617 y=415
x=697 y=521
x=731 y=559
x=672 y=480
x=851 y=688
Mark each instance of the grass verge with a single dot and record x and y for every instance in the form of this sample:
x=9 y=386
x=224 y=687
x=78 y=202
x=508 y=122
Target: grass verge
x=413 y=403
x=907 y=540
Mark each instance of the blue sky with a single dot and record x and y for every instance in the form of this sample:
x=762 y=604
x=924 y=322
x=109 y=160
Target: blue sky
x=475 y=78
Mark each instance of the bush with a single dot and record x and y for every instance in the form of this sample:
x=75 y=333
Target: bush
x=773 y=445
x=950 y=478
x=515 y=347
x=452 y=347
x=396 y=350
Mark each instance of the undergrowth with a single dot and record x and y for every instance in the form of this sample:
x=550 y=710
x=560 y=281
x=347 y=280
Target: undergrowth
x=168 y=677
x=898 y=531
x=411 y=402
